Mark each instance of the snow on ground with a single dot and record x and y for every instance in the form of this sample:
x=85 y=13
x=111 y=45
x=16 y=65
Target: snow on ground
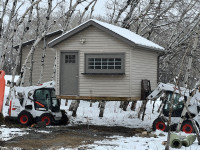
x=9 y=133
x=135 y=143
x=113 y=116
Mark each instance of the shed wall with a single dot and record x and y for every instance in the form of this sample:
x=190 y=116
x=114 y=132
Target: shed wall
x=144 y=66
x=137 y=67
x=48 y=62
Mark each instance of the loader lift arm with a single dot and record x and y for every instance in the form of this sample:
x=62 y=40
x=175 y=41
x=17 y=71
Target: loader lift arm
x=161 y=88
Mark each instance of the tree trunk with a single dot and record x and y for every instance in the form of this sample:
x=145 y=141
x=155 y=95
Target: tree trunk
x=172 y=102
x=142 y=108
x=160 y=107
x=153 y=106
x=31 y=70
x=54 y=70
x=42 y=61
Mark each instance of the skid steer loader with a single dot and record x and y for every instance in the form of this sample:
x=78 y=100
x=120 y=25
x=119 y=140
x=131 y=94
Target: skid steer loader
x=165 y=92
x=36 y=103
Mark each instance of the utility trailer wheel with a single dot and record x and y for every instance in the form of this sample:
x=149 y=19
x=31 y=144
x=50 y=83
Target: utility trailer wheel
x=160 y=124
x=47 y=118
x=187 y=126
x=25 y=118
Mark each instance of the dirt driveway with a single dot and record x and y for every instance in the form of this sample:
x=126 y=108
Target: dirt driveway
x=68 y=137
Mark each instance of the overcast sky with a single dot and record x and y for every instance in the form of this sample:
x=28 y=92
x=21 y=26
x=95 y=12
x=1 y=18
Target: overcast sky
x=98 y=10
x=100 y=7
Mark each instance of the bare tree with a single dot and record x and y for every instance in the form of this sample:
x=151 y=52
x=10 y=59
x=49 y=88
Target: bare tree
x=156 y=20
x=46 y=28
x=7 y=33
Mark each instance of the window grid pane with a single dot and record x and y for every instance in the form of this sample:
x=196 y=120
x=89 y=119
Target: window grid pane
x=104 y=63
x=70 y=59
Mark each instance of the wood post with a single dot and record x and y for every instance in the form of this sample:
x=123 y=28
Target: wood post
x=71 y=106
x=90 y=103
x=133 y=105
x=124 y=105
x=66 y=102
x=75 y=108
x=102 y=108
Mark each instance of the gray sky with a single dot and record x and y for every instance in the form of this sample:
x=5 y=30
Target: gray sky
x=99 y=7
x=98 y=10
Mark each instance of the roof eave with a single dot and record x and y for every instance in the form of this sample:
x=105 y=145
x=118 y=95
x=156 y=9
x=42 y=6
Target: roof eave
x=32 y=41
x=59 y=39
x=151 y=48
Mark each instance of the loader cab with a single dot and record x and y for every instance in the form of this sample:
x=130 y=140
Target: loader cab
x=45 y=99
x=177 y=106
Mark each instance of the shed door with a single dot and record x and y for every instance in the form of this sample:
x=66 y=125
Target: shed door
x=69 y=73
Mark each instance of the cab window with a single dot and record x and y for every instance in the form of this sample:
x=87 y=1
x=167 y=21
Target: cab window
x=42 y=98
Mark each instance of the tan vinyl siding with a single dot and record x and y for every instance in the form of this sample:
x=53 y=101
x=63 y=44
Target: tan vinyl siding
x=98 y=42
x=48 y=62
x=144 y=66
x=139 y=64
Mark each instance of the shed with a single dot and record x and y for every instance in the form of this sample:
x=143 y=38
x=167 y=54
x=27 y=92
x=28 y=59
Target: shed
x=48 y=62
x=100 y=61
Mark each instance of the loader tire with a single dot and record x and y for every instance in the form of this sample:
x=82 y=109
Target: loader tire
x=25 y=118
x=47 y=118
x=160 y=124
x=187 y=126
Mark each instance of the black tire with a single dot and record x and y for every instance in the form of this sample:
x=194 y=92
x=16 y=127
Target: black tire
x=47 y=118
x=25 y=118
x=64 y=120
x=160 y=124
x=187 y=127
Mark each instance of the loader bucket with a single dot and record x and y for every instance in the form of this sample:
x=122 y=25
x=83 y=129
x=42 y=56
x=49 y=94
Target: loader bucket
x=175 y=141
x=2 y=89
x=188 y=140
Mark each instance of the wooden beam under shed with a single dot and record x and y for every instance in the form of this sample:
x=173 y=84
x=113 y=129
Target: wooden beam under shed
x=92 y=98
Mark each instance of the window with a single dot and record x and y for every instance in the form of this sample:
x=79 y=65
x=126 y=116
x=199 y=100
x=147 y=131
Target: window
x=70 y=59
x=177 y=106
x=42 y=98
x=104 y=63
x=46 y=99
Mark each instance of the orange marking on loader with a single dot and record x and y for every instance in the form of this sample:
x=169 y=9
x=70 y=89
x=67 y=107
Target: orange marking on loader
x=2 y=89
x=39 y=104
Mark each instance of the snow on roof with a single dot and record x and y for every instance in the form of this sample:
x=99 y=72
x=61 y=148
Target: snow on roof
x=137 y=39
x=120 y=32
